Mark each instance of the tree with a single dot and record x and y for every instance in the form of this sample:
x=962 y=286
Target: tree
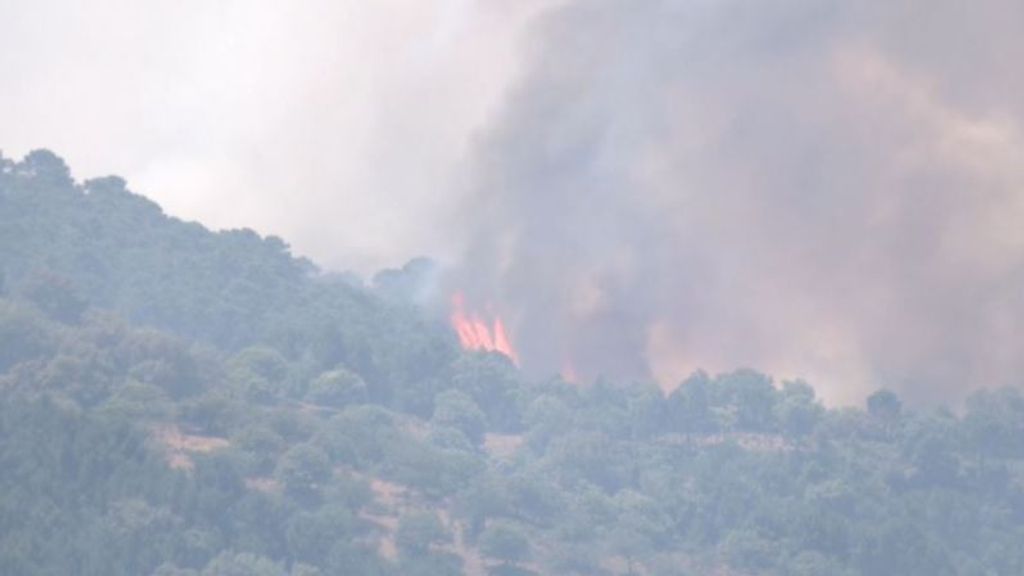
x=24 y=335
x=811 y=563
x=229 y=563
x=304 y=469
x=56 y=296
x=418 y=532
x=337 y=388
x=753 y=397
x=138 y=535
x=492 y=381
x=797 y=410
x=46 y=168
x=161 y=360
x=510 y=570
x=689 y=406
x=168 y=569
x=135 y=401
x=6 y=166
x=749 y=551
x=885 y=405
x=886 y=408
x=433 y=564
x=300 y=569
x=591 y=457
x=639 y=525
x=929 y=445
x=411 y=284
x=546 y=418
x=505 y=541
x=261 y=443
x=994 y=423
x=457 y=410
x=900 y=546
x=311 y=535
x=257 y=374
x=360 y=434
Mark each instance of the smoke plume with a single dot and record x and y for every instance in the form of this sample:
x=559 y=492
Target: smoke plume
x=825 y=190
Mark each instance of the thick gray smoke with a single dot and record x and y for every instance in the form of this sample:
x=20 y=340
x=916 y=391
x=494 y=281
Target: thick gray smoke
x=819 y=189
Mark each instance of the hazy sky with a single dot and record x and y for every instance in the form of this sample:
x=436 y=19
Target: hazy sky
x=833 y=190
x=335 y=124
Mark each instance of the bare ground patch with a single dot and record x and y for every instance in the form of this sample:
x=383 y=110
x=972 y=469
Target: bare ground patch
x=179 y=446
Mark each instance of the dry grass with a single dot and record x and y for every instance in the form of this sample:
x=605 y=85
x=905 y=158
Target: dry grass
x=179 y=446
x=263 y=484
x=502 y=446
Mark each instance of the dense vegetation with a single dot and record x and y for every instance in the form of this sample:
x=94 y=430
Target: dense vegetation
x=182 y=402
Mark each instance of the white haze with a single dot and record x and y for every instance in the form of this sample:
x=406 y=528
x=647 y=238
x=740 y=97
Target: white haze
x=335 y=124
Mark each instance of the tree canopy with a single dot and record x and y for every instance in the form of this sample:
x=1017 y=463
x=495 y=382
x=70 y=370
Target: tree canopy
x=183 y=402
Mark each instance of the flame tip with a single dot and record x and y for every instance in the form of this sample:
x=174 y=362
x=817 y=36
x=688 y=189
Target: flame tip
x=475 y=334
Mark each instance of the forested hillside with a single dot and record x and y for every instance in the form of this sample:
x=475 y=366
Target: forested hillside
x=183 y=402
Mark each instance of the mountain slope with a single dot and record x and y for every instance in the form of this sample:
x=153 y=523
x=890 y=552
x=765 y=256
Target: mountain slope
x=182 y=402
x=116 y=250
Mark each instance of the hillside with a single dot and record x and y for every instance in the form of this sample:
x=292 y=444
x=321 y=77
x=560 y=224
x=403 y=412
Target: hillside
x=183 y=402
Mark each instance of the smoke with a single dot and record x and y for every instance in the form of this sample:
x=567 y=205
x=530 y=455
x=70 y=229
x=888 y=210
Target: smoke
x=830 y=190
x=823 y=190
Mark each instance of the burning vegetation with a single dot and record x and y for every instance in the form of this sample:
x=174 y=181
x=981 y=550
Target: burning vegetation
x=476 y=333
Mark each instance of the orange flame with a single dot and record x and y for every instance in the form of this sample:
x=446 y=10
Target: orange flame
x=569 y=372
x=475 y=334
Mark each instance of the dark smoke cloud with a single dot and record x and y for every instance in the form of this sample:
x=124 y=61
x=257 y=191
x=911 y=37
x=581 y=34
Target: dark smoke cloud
x=827 y=190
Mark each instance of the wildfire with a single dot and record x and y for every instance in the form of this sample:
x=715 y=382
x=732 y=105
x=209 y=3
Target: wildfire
x=475 y=334
x=568 y=372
